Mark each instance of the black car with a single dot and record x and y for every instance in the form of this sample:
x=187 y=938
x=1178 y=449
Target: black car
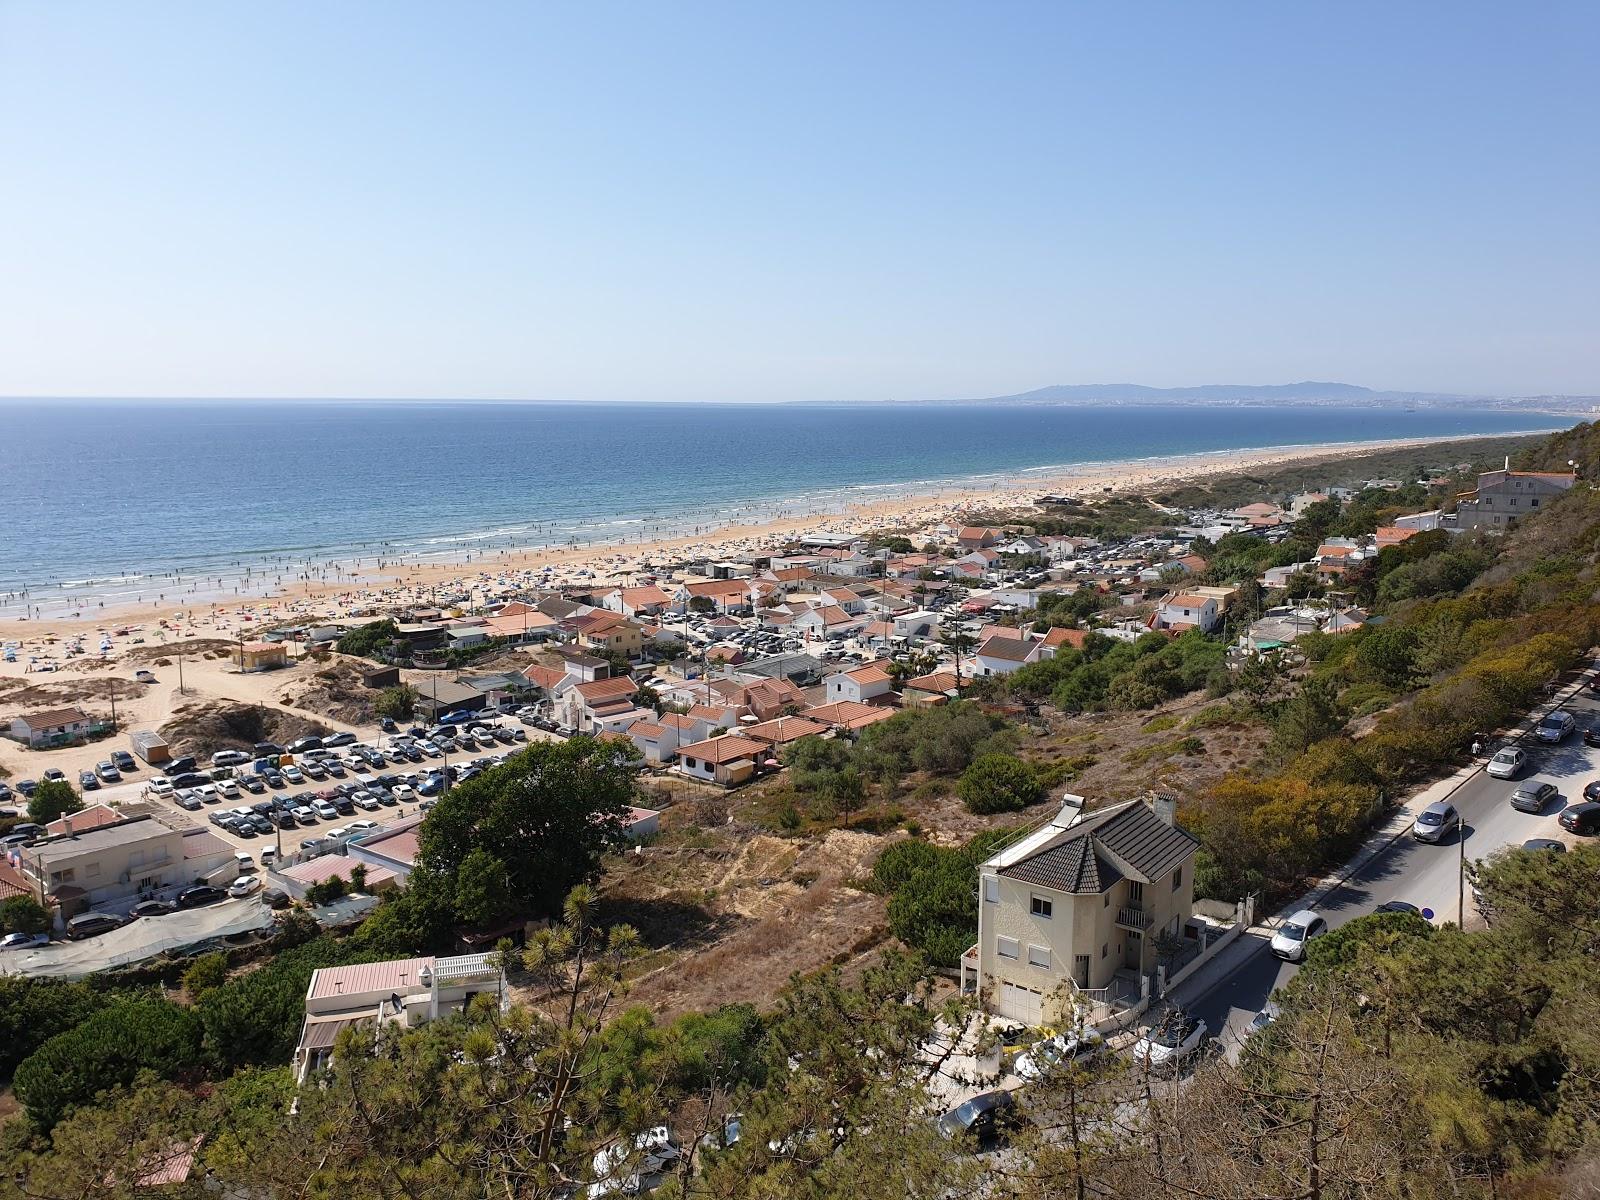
x=87 y=781
x=198 y=897
x=124 y=761
x=180 y=766
x=1591 y=736
x=189 y=779
x=266 y=750
x=152 y=908
x=286 y=820
x=275 y=898
x=344 y=804
x=1532 y=797
x=1591 y=791
x=261 y=824
x=388 y=726
x=275 y=780
x=252 y=783
x=1398 y=906
x=301 y=745
x=1580 y=818
x=986 y=1118
x=1546 y=844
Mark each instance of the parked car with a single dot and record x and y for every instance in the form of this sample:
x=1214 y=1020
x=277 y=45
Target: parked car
x=267 y=750
x=338 y=739
x=125 y=761
x=1434 y=821
x=275 y=898
x=1591 y=736
x=1398 y=906
x=1296 y=933
x=87 y=781
x=229 y=758
x=252 y=783
x=301 y=745
x=1045 y=1056
x=244 y=885
x=27 y=787
x=362 y=826
x=200 y=895
x=227 y=789
x=325 y=810
x=152 y=908
x=304 y=814
x=1170 y=1042
x=108 y=772
x=985 y=1119
x=1555 y=726
x=1549 y=844
x=24 y=941
x=187 y=799
x=1580 y=818
x=1531 y=797
x=88 y=925
x=365 y=800
x=293 y=774
x=313 y=770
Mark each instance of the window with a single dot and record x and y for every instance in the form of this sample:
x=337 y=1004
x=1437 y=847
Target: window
x=1135 y=891
x=1105 y=900
x=1042 y=907
x=1177 y=879
x=1105 y=949
x=690 y=763
x=1534 y=502
x=1007 y=947
x=1038 y=956
x=991 y=889
x=1080 y=969
x=1512 y=502
x=91 y=870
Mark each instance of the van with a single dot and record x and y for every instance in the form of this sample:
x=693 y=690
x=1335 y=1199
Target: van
x=88 y=925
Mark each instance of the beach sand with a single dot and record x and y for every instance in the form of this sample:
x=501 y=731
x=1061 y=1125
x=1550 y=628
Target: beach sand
x=367 y=585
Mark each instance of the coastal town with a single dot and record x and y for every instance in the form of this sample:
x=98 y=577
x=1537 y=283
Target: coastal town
x=227 y=765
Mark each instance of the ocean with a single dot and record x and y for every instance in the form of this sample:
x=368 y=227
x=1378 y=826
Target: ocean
x=112 y=498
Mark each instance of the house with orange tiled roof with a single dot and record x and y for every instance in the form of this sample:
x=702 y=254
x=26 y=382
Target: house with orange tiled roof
x=1393 y=535
x=593 y=706
x=608 y=632
x=723 y=595
x=658 y=738
x=1183 y=611
x=646 y=600
x=781 y=731
x=924 y=691
x=848 y=717
x=729 y=760
x=1061 y=636
x=974 y=537
x=863 y=685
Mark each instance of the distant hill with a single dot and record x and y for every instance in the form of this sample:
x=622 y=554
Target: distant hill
x=1307 y=392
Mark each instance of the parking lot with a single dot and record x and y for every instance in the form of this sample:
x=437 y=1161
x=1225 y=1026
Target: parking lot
x=304 y=804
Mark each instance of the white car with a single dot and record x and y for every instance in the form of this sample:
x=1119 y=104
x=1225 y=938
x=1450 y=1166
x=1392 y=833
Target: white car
x=227 y=789
x=293 y=774
x=1043 y=1057
x=338 y=833
x=159 y=786
x=325 y=810
x=246 y=863
x=628 y=1169
x=244 y=885
x=404 y=793
x=1295 y=934
x=269 y=856
x=365 y=800
x=361 y=826
x=1170 y=1042
x=1507 y=764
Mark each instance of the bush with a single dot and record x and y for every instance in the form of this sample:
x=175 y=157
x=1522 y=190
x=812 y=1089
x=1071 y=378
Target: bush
x=998 y=783
x=396 y=703
x=369 y=640
x=255 y=1018
x=108 y=1050
x=32 y=1011
x=23 y=914
x=206 y=972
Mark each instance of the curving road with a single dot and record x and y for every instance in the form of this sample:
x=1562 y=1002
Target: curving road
x=1425 y=875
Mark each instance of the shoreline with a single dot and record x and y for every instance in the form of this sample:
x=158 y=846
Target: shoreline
x=350 y=583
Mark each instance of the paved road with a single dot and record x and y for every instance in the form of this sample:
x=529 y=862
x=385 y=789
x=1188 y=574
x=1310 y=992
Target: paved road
x=1424 y=875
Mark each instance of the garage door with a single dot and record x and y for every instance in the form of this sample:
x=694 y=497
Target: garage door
x=1020 y=1003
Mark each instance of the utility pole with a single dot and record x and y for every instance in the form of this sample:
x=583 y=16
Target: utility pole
x=1461 y=872
x=111 y=687
x=181 y=689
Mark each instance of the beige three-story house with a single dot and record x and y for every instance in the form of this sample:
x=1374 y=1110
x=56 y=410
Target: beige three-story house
x=1079 y=905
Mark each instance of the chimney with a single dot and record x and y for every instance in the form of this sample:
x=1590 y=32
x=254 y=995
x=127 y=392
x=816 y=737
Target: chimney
x=1166 y=808
x=66 y=823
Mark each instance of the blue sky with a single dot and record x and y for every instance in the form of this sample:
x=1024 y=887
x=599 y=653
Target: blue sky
x=782 y=202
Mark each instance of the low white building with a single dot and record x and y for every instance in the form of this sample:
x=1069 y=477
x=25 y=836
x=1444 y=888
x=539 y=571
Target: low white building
x=861 y=685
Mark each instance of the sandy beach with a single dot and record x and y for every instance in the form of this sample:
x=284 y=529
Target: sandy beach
x=342 y=590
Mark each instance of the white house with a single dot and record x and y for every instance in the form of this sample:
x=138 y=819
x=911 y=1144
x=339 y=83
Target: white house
x=1003 y=655
x=861 y=685
x=1185 y=611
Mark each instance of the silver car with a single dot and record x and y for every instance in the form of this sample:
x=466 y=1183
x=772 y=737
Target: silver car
x=1508 y=763
x=1434 y=821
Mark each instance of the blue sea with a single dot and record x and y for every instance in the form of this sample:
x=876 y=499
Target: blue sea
x=112 y=498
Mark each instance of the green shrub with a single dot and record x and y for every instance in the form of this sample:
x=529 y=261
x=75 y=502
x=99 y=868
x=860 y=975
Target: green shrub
x=998 y=783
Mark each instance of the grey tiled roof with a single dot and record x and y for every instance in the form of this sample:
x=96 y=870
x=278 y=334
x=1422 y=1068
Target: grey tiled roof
x=1071 y=866
x=1082 y=862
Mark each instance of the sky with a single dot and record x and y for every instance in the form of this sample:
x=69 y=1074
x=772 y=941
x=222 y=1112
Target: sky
x=696 y=201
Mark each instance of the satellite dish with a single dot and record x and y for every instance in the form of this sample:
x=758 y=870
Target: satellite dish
x=1427 y=914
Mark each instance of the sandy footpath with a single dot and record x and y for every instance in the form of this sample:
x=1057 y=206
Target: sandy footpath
x=363 y=586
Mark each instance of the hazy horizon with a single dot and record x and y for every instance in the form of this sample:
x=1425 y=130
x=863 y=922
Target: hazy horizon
x=727 y=203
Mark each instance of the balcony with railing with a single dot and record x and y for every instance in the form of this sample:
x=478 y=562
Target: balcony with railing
x=1136 y=919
